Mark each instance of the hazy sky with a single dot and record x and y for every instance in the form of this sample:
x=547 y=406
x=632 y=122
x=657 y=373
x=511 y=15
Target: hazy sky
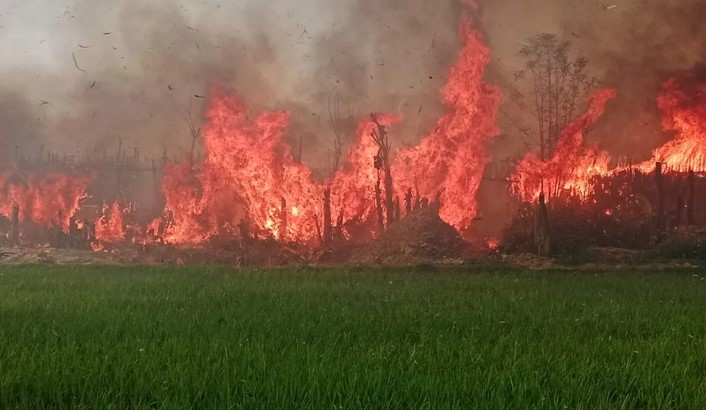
x=380 y=55
x=159 y=54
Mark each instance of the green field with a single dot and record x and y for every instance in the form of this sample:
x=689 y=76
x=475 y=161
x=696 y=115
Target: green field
x=173 y=338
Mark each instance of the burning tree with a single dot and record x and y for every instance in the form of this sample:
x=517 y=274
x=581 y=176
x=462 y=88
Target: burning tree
x=382 y=163
x=342 y=129
x=558 y=87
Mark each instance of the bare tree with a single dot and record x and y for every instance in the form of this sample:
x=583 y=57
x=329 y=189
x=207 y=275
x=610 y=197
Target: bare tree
x=557 y=88
x=194 y=130
x=342 y=129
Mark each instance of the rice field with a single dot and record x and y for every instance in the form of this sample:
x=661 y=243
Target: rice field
x=407 y=338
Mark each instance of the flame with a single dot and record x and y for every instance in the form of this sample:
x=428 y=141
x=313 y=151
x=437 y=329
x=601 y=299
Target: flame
x=571 y=166
x=47 y=199
x=249 y=170
x=109 y=227
x=683 y=102
x=574 y=168
x=453 y=157
x=493 y=243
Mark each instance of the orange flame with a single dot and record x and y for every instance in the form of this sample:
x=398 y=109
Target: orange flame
x=109 y=228
x=44 y=198
x=249 y=170
x=683 y=102
x=572 y=166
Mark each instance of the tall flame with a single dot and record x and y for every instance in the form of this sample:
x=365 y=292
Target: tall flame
x=572 y=165
x=683 y=102
x=248 y=163
x=453 y=157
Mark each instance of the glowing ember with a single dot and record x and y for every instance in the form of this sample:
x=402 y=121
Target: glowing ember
x=493 y=243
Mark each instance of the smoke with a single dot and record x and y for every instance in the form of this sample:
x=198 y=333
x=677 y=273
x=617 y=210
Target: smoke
x=133 y=70
x=141 y=67
x=632 y=45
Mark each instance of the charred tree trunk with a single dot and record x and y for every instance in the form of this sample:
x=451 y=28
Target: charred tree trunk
x=542 y=228
x=15 y=224
x=397 y=209
x=244 y=229
x=378 y=206
x=327 y=218
x=382 y=161
x=408 y=202
x=338 y=235
x=389 y=202
x=691 y=198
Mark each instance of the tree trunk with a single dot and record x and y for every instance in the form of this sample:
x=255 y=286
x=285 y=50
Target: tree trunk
x=15 y=227
x=389 y=201
x=378 y=206
x=397 y=209
x=542 y=228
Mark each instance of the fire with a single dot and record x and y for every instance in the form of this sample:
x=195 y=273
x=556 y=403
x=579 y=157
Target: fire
x=47 y=199
x=249 y=170
x=109 y=228
x=452 y=158
x=683 y=102
x=572 y=165
x=493 y=243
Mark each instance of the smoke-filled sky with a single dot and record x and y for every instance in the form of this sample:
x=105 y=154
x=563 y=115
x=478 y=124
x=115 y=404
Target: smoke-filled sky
x=139 y=64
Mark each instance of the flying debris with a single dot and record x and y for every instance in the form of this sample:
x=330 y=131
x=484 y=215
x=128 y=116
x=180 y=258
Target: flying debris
x=107 y=33
x=93 y=84
x=82 y=46
x=611 y=7
x=73 y=55
x=44 y=102
x=170 y=87
x=198 y=96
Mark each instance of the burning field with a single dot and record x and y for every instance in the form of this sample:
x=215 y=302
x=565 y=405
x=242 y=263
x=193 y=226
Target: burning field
x=242 y=193
x=352 y=204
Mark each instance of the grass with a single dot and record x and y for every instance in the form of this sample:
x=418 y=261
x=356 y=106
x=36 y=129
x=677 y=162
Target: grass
x=144 y=337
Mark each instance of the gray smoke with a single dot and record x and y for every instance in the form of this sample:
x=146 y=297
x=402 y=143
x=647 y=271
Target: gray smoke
x=132 y=70
x=140 y=65
x=632 y=45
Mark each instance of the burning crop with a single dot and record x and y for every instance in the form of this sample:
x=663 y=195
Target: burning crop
x=47 y=199
x=574 y=168
x=249 y=171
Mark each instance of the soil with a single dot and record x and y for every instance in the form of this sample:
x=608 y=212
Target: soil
x=421 y=237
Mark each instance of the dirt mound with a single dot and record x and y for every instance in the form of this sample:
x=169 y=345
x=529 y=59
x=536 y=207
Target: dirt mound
x=422 y=237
